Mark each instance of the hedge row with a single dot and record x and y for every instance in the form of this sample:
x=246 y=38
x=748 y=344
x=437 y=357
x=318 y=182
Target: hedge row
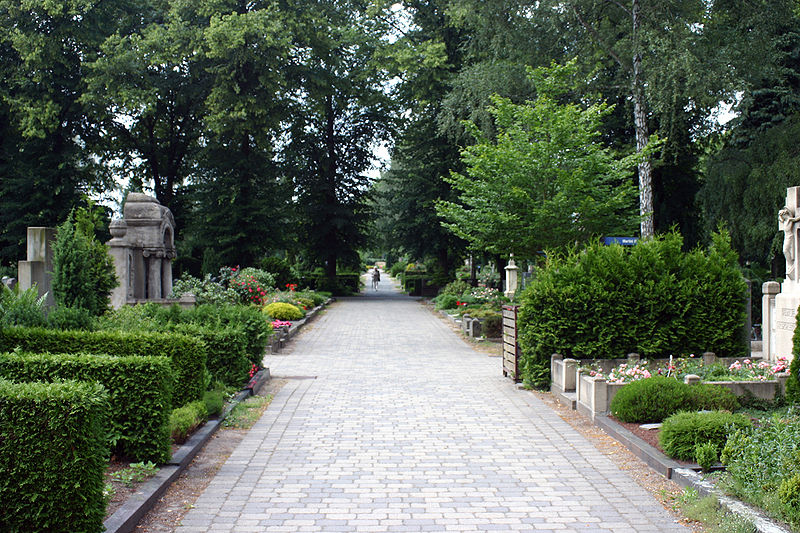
x=188 y=355
x=139 y=389
x=653 y=299
x=226 y=352
x=52 y=456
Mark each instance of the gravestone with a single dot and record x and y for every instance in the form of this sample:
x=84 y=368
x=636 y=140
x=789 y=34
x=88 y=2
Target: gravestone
x=142 y=246
x=37 y=269
x=780 y=303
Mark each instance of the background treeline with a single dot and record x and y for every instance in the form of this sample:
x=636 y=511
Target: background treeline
x=256 y=122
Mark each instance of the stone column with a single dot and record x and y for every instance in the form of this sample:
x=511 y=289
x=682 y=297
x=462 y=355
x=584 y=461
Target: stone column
x=511 y=278
x=118 y=250
x=770 y=290
x=37 y=270
x=154 y=264
x=166 y=277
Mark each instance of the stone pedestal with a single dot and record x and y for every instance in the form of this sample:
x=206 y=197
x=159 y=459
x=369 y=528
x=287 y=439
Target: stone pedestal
x=38 y=268
x=511 y=278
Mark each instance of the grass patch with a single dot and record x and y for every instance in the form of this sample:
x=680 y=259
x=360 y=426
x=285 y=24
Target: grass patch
x=247 y=413
x=708 y=512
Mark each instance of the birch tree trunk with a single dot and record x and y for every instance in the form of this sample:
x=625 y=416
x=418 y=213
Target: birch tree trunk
x=642 y=134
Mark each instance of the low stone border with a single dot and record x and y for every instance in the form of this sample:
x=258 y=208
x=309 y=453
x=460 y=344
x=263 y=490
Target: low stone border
x=125 y=519
x=279 y=338
x=684 y=475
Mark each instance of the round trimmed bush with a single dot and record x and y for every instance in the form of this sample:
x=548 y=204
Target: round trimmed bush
x=713 y=397
x=682 y=432
x=446 y=301
x=651 y=400
x=283 y=311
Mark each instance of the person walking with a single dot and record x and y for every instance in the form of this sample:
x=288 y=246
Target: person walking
x=376 y=278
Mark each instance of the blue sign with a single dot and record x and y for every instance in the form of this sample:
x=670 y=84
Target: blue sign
x=622 y=241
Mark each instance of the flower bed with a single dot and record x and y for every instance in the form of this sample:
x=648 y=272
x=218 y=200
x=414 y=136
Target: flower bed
x=595 y=383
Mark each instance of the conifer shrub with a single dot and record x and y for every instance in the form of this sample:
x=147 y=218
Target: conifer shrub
x=682 y=432
x=283 y=311
x=653 y=299
x=184 y=420
x=52 y=456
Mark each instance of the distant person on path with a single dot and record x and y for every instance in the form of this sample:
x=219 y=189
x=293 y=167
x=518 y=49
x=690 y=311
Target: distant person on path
x=376 y=278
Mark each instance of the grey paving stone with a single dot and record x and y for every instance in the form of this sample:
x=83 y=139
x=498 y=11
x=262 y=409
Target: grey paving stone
x=403 y=427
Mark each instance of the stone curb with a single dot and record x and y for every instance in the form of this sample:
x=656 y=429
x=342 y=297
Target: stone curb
x=279 y=342
x=685 y=475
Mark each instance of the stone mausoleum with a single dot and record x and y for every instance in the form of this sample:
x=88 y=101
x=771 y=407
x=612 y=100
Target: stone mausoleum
x=143 y=248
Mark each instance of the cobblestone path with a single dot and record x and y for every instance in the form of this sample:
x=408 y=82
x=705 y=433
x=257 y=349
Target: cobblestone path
x=390 y=422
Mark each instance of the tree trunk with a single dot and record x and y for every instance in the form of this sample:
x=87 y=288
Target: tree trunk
x=642 y=134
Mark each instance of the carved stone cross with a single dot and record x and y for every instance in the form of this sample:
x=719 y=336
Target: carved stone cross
x=787 y=222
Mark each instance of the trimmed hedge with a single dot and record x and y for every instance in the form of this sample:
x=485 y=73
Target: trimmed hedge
x=188 y=355
x=226 y=352
x=654 y=399
x=652 y=299
x=52 y=456
x=139 y=389
x=682 y=432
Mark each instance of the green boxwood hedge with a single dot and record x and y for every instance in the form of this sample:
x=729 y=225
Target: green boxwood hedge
x=793 y=383
x=653 y=299
x=226 y=350
x=139 y=389
x=682 y=432
x=654 y=399
x=188 y=355
x=52 y=456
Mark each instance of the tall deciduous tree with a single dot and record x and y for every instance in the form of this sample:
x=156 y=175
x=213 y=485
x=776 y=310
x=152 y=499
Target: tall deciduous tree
x=341 y=112
x=546 y=181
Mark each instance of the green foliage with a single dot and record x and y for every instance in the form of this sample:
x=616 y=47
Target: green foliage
x=397 y=268
x=652 y=299
x=760 y=459
x=235 y=335
x=135 y=473
x=793 y=383
x=651 y=400
x=52 y=441
x=706 y=454
x=21 y=308
x=456 y=288
x=204 y=290
x=789 y=496
x=187 y=355
x=139 y=391
x=713 y=397
x=282 y=271
x=446 y=301
x=283 y=311
x=214 y=401
x=247 y=413
x=493 y=326
x=83 y=272
x=184 y=420
x=546 y=181
x=682 y=432
x=70 y=318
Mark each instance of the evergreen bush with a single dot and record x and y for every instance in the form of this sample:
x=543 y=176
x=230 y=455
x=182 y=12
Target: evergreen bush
x=682 y=432
x=83 y=271
x=651 y=400
x=793 y=383
x=52 y=456
x=139 y=390
x=184 y=420
x=282 y=271
x=187 y=355
x=21 y=308
x=653 y=299
x=283 y=311
x=70 y=318
x=446 y=301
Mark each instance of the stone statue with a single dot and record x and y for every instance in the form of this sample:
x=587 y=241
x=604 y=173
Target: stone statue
x=787 y=224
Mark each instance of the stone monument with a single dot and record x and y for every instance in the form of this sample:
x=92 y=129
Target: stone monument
x=511 y=278
x=780 y=302
x=37 y=269
x=142 y=246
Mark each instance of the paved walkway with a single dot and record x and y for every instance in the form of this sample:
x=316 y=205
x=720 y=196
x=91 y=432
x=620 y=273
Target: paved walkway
x=390 y=422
